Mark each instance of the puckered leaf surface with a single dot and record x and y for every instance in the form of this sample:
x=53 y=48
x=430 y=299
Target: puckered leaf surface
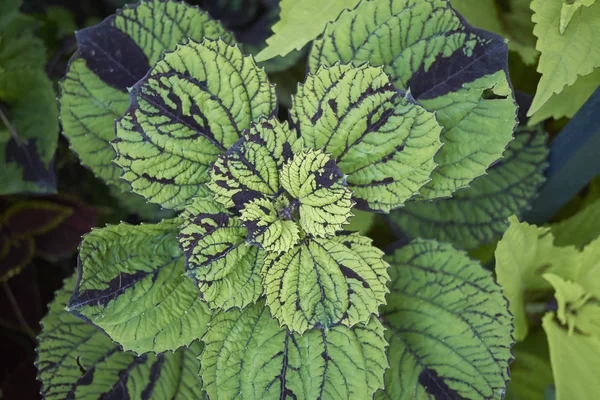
x=323 y=282
x=479 y=214
x=132 y=285
x=377 y=135
x=447 y=324
x=77 y=361
x=218 y=258
x=249 y=356
x=192 y=106
x=450 y=67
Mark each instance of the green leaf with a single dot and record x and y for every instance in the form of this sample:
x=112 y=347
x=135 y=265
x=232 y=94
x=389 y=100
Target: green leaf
x=112 y=57
x=299 y=23
x=574 y=361
x=523 y=255
x=479 y=214
x=193 y=105
x=249 y=356
x=377 y=135
x=577 y=230
x=447 y=324
x=225 y=268
x=449 y=67
x=323 y=282
x=361 y=222
x=77 y=361
x=568 y=10
x=589 y=269
x=566 y=56
x=132 y=285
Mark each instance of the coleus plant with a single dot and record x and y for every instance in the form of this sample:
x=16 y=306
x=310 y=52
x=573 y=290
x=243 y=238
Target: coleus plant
x=282 y=302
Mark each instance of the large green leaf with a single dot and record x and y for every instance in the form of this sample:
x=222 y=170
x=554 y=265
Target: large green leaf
x=249 y=356
x=323 y=282
x=225 y=268
x=132 y=286
x=448 y=326
x=565 y=56
x=578 y=229
x=193 y=105
x=77 y=361
x=112 y=57
x=377 y=135
x=449 y=67
x=479 y=214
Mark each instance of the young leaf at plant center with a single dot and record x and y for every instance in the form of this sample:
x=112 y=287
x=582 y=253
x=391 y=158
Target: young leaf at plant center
x=300 y=23
x=574 y=361
x=478 y=215
x=523 y=255
x=448 y=66
x=447 y=324
x=132 y=286
x=112 y=57
x=324 y=282
x=76 y=360
x=567 y=56
x=377 y=134
x=249 y=356
x=226 y=270
x=193 y=105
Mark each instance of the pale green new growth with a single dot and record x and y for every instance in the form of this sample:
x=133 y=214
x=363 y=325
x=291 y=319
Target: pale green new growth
x=132 y=286
x=447 y=325
x=248 y=356
x=322 y=282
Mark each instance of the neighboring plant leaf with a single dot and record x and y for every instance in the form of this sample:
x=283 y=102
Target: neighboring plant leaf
x=76 y=360
x=479 y=214
x=112 y=57
x=249 y=356
x=361 y=222
x=447 y=324
x=377 y=134
x=569 y=9
x=574 y=360
x=523 y=255
x=324 y=282
x=299 y=23
x=225 y=268
x=562 y=62
x=176 y=127
x=138 y=205
x=132 y=285
x=589 y=269
x=456 y=70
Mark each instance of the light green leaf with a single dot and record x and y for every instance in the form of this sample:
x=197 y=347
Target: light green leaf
x=132 y=286
x=312 y=178
x=249 y=356
x=523 y=255
x=447 y=324
x=577 y=230
x=225 y=268
x=193 y=105
x=589 y=271
x=377 y=135
x=568 y=10
x=574 y=360
x=567 y=56
x=112 y=57
x=299 y=23
x=323 y=282
x=449 y=67
x=479 y=214
x=77 y=361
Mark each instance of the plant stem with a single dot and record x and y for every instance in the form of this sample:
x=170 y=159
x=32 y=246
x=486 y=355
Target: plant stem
x=11 y=129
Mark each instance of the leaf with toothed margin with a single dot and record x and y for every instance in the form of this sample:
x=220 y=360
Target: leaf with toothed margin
x=448 y=326
x=77 y=361
x=225 y=268
x=193 y=105
x=324 y=282
x=250 y=168
x=249 y=356
x=479 y=215
x=458 y=71
x=132 y=286
x=111 y=57
x=376 y=133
